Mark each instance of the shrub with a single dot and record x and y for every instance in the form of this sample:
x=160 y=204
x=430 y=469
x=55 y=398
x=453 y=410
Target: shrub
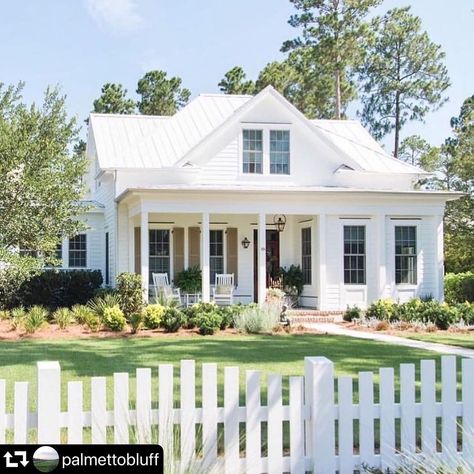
x=104 y=291
x=136 y=322
x=12 y=277
x=459 y=287
x=466 y=312
x=55 y=288
x=17 y=315
x=152 y=316
x=352 y=312
x=440 y=314
x=4 y=315
x=99 y=304
x=258 y=319
x=229 y=314
x=35 y=319
x=80 y=313
x=114 y=319
x=208 y=323
x=381 y=309
x=92 y=321
x=173 y=319
x=409 y=311
x=130 y=293
x=193 y=311
x=63 y=317
x=189 y=280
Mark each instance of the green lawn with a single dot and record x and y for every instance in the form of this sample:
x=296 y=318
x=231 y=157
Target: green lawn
x=82 y=358
x=453 y=339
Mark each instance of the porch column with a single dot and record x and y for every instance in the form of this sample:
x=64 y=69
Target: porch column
x=381 y=260
x=322 y=263
x=206 y=289
x=131 y=245
x=262 y=259
x=439 y=256
x=144 y=250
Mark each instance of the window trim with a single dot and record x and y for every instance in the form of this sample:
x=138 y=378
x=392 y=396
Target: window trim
x=364 y=226
x=170 y=256
x=270 y=151
x=402 y=223
x=224 y=253
x=302 y=229
x=255 y=129
x=86 y=251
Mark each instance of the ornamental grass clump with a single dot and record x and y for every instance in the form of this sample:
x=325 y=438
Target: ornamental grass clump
x=35 y=319
x=63 y=317
x=256 y=319
x=17 y=315
x=136 y=322
x=81 y=312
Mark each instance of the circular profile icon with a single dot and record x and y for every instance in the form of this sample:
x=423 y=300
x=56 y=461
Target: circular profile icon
x=46 y=459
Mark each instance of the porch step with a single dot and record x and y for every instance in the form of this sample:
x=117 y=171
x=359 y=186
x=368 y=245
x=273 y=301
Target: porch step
x=301 y=316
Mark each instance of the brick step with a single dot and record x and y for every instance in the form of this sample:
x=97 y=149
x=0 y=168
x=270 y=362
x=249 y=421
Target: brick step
x=301 y=316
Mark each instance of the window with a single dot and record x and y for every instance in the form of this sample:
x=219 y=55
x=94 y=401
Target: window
x=405 y=254
x=279 y=151
x=354 y=255
x=216 y=252
x=252 y=159
x=306 y=255
x=159 y=258
x=78 y=251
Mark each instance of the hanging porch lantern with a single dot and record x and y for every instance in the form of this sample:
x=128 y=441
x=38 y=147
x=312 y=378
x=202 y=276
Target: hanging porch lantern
x=280 y=221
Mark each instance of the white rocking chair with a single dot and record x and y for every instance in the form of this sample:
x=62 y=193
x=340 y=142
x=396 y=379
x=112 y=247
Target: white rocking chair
x=223 y=291
x=163 y=287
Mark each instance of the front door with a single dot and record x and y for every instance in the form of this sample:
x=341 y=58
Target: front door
x=272 y=261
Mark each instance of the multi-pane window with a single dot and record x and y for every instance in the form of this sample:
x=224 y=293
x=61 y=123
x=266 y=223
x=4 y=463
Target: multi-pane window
x=405 y=254
x=354 y=255
x=306 y=255
x=279 y=152
x=252 y=158
x=159 y=258
x=216 y=252
x=78 y=251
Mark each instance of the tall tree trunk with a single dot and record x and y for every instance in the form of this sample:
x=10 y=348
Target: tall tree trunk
x=397 y=124
x=337 y=77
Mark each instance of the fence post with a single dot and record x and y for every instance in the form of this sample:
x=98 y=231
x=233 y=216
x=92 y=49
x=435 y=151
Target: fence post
x=49 y=402
x=320 y=431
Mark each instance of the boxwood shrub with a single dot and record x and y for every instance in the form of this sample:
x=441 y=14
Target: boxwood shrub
x=459 y=287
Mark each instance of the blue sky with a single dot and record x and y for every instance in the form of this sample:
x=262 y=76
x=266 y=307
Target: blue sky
x=81 y=44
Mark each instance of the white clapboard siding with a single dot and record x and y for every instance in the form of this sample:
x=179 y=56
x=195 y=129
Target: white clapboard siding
x=316 y=405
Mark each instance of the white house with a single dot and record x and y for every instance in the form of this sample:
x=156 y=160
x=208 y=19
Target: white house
x=205 y=187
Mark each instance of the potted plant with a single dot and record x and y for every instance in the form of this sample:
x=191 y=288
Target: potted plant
x=189 y=280
x=292 y=281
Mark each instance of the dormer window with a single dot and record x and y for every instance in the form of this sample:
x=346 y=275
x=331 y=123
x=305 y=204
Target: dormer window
x=252 y=151
x=279 y=152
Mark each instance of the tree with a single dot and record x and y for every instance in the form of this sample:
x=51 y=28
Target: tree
x=113 y=100
x=418 y=152
x=333 y=30
x=403 y=76
x=41 y=184
x=234 y=82
x=160 y=95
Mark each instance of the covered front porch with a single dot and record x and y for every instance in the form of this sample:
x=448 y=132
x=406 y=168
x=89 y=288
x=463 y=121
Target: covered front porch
x=249 y=245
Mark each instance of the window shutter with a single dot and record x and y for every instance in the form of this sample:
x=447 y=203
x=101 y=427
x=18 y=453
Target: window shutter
x=178 y=250
x=138 y=253
x=232 y=252
x=194 y=246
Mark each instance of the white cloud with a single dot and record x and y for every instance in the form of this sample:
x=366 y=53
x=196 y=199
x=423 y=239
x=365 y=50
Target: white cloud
x=116 y=15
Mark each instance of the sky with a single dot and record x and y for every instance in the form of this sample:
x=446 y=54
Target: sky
x=82 y=44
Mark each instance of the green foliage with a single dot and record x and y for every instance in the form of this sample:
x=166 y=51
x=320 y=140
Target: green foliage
x=235 y=82
x=381 y=309
x=35 y=319
x=17 y=317
x=40 y=195
x=173 y=319
x=92 y=321
x=63 y=317
x=418 y=152
x=459 y=287
x=466 y=312
x=256 y=319
x=189 y=280
x=229 y=314
x=130 y=293
x=114 y=319
x=438 y=313
x=136 y=322
x=99 y=304
x=208 y=323
x=13 y=276
x=409 y=311
x=403 y=76
x=352 y=312
x=153 y=315
x=4 y=315
x=55 y=288
x=293 y=282
x=160 y=95
x=113 y=100
x=80 y=313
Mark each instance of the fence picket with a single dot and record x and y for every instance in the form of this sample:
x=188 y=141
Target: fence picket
x=3 y=411
x=387 y=419
x=448 y=400
x=231 y=420
x=74 y=413
x=209 y=414
x=275 y=424
x=296 y=426
x=468 y=408
x=121 y=408
x=98 y=410
x=49 y=402
x=428 y=407
x=188 y=416
x=143 y=391
x=252 y=425
x=165 y=413
x=20 y=413
x=366 y=417
x=407 y=408
x=345 y=424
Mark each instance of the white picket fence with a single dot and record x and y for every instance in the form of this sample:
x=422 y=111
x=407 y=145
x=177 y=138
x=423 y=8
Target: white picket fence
x=320 y=413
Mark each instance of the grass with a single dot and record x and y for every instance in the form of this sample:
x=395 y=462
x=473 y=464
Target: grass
x=453 y=339
x=82 y=358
